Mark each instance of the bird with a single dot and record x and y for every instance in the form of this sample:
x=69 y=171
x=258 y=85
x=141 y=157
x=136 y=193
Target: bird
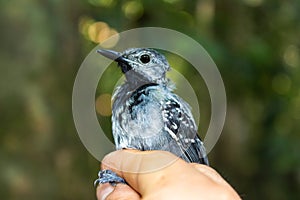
x=147 y=114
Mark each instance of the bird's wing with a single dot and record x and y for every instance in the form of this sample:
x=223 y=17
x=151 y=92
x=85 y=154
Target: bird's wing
x=180 y=124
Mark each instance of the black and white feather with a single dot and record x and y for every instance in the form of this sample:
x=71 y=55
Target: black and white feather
x=146 y=114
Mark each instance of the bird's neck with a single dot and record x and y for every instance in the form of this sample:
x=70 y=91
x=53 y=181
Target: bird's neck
x=135 y=81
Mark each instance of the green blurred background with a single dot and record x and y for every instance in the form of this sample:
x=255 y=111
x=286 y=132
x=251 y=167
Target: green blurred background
x=255 y=44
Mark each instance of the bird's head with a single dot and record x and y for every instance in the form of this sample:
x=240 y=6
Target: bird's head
x=140 y=65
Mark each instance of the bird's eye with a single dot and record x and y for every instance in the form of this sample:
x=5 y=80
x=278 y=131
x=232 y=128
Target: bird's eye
x=145 y=58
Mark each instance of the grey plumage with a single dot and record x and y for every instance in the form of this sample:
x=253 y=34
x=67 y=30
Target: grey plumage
x=146 y=114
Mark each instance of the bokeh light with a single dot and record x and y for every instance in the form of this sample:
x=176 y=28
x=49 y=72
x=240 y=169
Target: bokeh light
x=205 y=11
x=133 y=9
x=84 y=24
x=103 y=104
x=98 y=32
x=291 y=56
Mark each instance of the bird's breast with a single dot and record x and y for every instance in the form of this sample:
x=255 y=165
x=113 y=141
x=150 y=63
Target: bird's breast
x=144 y=112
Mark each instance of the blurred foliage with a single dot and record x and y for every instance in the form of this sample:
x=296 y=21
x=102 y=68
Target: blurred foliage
x=255 y=44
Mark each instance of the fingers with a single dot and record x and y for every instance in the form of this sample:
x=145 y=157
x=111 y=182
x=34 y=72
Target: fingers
x=148 y=171
x=161 y=175
x=103 y=190
x=118 y=192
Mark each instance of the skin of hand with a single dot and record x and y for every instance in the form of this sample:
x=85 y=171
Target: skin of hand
x=161 y=175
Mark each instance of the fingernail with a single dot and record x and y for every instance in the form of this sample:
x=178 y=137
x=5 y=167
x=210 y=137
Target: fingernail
x=105 y=190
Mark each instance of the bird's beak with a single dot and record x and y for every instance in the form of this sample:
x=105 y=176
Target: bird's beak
x=116 y=56
x=113 y=55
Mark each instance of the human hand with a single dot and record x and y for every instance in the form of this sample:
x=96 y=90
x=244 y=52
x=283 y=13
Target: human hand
x=161 y=175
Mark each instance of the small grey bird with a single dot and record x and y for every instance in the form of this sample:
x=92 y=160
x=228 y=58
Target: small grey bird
x=146 y=114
